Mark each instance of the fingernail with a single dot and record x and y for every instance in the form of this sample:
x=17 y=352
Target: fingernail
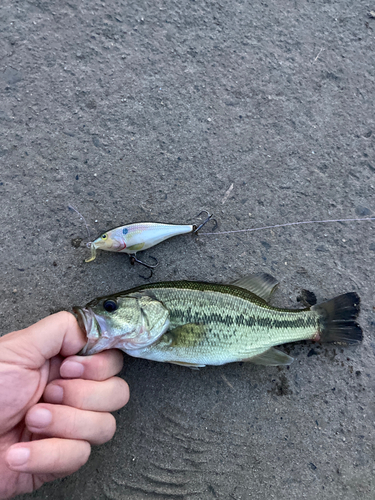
x=71 y=369
x=40 y=417
x=54 y=394
x=17 y=456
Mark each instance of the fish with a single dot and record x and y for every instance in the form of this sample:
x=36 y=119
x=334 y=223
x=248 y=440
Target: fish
x=195 y=324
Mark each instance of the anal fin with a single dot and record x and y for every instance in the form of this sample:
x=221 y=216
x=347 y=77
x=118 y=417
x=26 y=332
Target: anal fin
x=193 y=366
x=272 y=357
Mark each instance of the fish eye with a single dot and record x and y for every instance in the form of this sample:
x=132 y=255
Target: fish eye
x=110 y=305
x=104 y=236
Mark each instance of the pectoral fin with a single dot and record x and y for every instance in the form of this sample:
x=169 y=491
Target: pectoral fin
x=261 y=285
x=272 y=357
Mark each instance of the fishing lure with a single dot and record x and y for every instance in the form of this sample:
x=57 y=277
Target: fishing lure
x=132 y=238
x=140 y=236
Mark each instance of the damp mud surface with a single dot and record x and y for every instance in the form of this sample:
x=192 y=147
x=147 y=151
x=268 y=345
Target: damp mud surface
x=259 y=112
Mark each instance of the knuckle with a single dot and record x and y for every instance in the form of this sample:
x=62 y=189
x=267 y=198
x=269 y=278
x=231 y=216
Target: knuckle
x=109 y=361
x=66 y=317
x=122 y=391
x=84 y=452
x=72 y=455
x=68 y=425
x=118 y=359
x=57 y=458
x=78 y=395
x=109 y=428
x=117 y=394
x=101 y=367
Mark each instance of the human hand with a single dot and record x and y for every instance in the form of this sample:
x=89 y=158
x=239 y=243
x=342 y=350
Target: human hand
x=53 y=404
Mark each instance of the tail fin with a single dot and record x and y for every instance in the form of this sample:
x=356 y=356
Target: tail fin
x=337 y=319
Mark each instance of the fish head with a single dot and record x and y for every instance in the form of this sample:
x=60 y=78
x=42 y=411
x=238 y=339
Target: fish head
x=125 y=322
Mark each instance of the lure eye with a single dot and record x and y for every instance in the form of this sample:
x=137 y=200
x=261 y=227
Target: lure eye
x=110 y=305
x=104 y=236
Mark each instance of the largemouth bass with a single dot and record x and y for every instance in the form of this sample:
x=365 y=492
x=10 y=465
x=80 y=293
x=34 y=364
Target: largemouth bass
x=197 y=324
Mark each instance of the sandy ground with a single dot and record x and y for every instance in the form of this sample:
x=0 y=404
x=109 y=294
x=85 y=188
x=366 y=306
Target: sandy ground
x=134 y=111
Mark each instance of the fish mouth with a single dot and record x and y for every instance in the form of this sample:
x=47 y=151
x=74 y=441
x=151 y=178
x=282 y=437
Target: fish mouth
x=86 y=321
x=83 y=318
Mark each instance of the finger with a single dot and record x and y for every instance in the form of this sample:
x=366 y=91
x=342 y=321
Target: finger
x=58 y=333
x=56 y=456
x=54 y=367
x=71 y=423
x=98 y=367
x=108 y=395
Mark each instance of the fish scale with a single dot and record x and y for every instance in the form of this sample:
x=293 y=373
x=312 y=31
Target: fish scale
x=235 y=324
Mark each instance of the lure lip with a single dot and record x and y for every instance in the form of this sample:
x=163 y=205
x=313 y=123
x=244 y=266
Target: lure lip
x=91 y=245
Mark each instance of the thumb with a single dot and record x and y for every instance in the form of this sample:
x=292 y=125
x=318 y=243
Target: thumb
x=56 y=334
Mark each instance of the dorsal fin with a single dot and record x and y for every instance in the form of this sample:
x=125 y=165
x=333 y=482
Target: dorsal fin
x=261 y=285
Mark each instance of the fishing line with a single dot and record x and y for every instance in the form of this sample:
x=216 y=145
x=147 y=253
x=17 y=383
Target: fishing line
x=84 y=220
x=249 y=230
x=287 y=224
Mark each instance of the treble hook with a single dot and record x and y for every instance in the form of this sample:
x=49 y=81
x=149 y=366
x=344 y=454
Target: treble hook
x=209 y=217
x=133 y=260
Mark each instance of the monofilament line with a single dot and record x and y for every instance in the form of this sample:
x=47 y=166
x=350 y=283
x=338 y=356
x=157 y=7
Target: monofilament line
x=287 y=224
x=84 y=220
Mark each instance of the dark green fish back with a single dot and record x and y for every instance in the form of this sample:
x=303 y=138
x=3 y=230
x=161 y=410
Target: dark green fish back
x=203 y=286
